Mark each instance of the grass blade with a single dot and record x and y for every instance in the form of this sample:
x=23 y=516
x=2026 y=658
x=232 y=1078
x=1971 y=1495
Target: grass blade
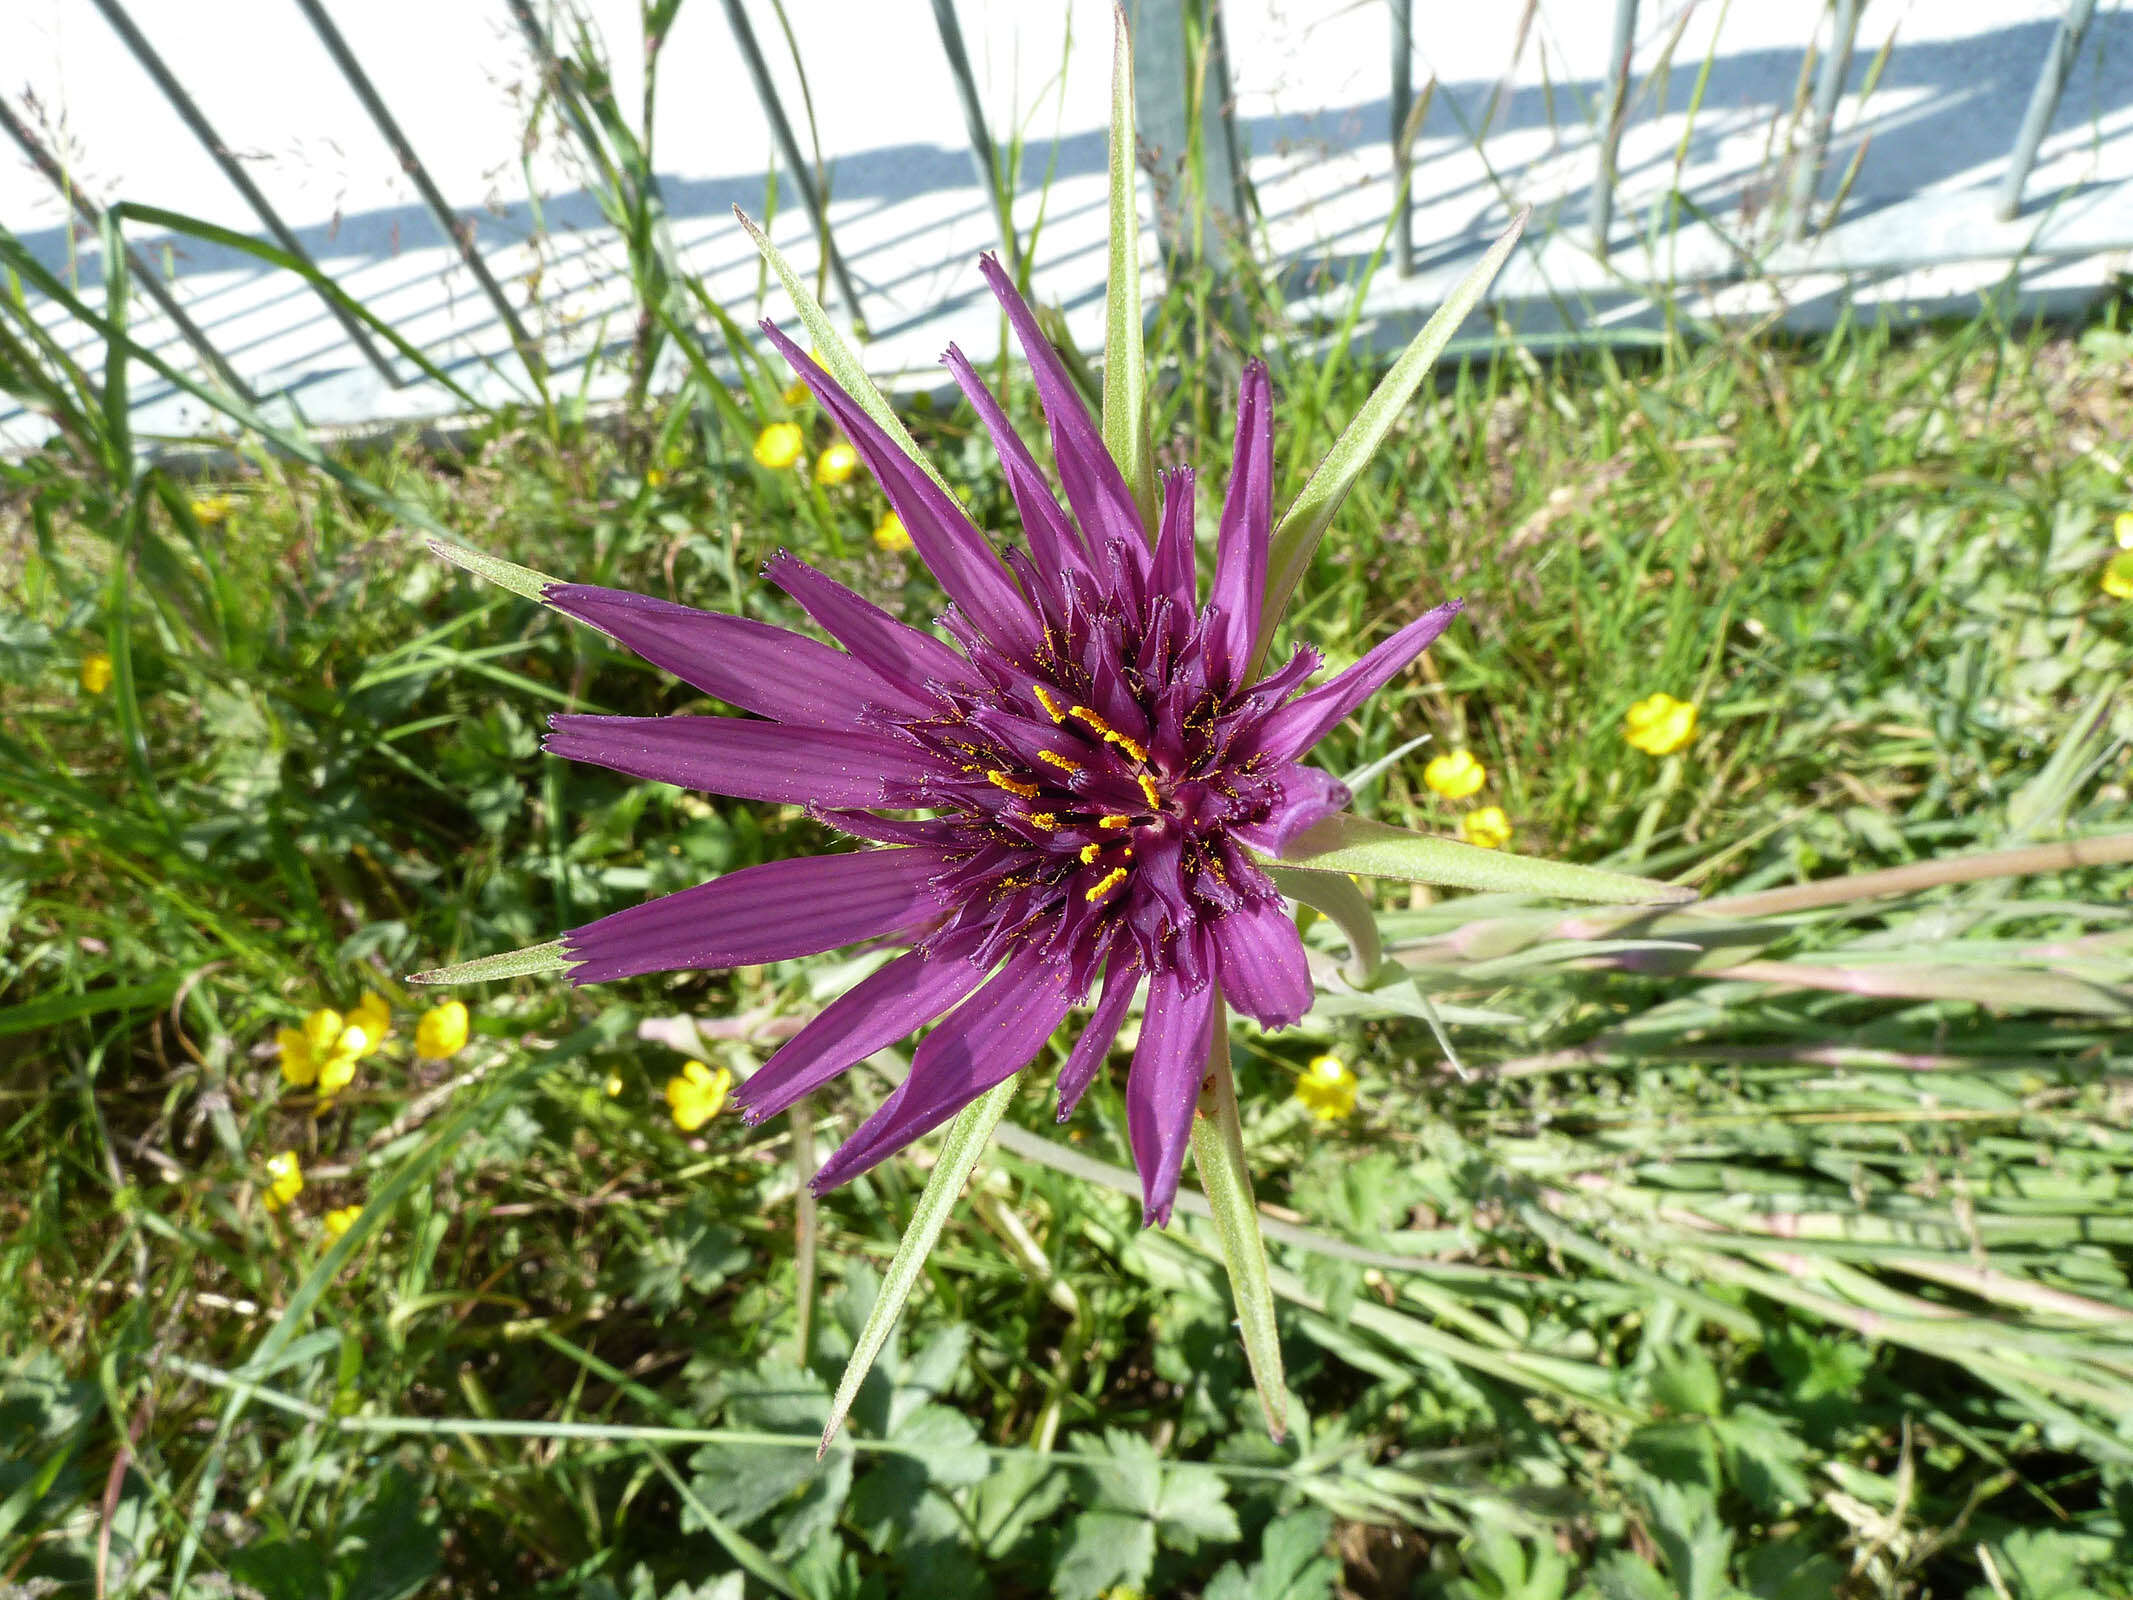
x=1296 y=536
x=1355 y=844
x=1125 y=407
x=967 y=1138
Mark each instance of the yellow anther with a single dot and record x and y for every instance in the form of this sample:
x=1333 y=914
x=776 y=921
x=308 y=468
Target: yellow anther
x=1109 y=881
x=1147 y=784
x=1089 y=853
x=1058 y=760
x=1001 y=780
x=1042 y=819
x=1084 y=714
x=1132 y=747
x=1114 y=821
x=1051 y=706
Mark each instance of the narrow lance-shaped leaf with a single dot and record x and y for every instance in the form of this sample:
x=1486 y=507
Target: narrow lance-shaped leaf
x=967 y=1138
x=530 y=962
x=1297 y=534
x=1226 y=1179
x=1334 y=896
x=1125 y=410
x=837 y=357
x=504 y=574
x=1348 y=843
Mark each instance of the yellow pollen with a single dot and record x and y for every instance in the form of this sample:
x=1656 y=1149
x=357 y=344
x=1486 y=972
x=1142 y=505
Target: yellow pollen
x=1042 y=819
x=1001 y=780
x=1147 y=783
x=1058 y=760
x=1114 y=821
x=1110 y=880
x=1132 y=747
x=1084 y=714
x=1051 y=706
x=1089 y=853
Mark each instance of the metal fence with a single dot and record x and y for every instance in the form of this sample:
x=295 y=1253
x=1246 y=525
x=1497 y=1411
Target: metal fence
x=1184 y=90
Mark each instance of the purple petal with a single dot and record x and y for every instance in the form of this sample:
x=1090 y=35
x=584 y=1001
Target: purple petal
x=746 y=663
x=1101 y=1032
x=1053 y=539
x=1164 y=1086
x=988 y=1038
x=775 y=912
x=881 y=1008
x=894 y=650
x=955 y=551
x=1261 y=962
x=1308 y=796
x=742 y=757
x=1173 y=573
x=1094 y=488
x=1247 y=525
x=1300 y=724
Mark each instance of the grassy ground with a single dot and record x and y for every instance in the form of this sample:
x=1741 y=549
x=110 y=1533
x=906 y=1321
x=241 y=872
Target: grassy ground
x=1780 y=1252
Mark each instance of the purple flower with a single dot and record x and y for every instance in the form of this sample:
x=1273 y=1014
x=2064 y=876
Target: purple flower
x=1096 y=761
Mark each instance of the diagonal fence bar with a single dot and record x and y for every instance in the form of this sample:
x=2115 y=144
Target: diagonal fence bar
x=2043 y=103
x=803 y=176
x=232 y=169
x=460 y=232
x=1829 y=89
x=143 y=274
x=982 y=150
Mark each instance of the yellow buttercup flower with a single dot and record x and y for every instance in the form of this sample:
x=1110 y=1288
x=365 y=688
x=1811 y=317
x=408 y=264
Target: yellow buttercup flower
x=654 y=478
x=1488 y=827
x=285 y=1180
x=337 y=1070
x=1455 y=774
x=2122 y=527
x=339 y=1220
x=2118 y=576
x=698 y=1094
x=891 y=535
x=1327 y=1088
x=836 y=465
x=212 y=509
x=779 y=445
x=95 y=672
x=442 y=1032
x=613 y=1086
x=374 y=1017
x=298 y=1066
x=1659 y=724
x=323 y=1029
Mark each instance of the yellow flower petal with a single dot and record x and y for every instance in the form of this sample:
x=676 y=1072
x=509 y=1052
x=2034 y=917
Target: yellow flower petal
x=285 y=1180
x=891 y=535
x=298 y=1066
x=613 y=1086
x=1327 y=1088
x=95 y=672
x=2118 y=576
x=697 y=1094
x=779 y=445
x=339 y=1220
x=442 y=1032
x=1455 y=774
x=1488 y=827
x=836 y=465
x=211 y=509
x=2122 y=528
x=1659 y=724
x=323 y=1029
x=654 y=478
x=374 y=1017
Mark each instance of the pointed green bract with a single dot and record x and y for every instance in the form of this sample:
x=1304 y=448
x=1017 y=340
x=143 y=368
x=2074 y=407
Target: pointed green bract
x=837 y=357
x=504 y=574
x=531 y=962
x=1347 y=843
x=1297 y=534
x=1218 y=1153
x=967 y=1138
x=1334 y=896
x=1125 y=418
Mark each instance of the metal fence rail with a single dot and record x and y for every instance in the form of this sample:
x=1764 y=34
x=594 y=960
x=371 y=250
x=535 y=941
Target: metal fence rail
x=1186 y=104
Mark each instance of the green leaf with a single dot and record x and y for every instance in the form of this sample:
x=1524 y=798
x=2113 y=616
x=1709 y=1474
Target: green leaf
x=1687 y=1384
x=836 y=356
x=1226 y=1179
x=504 y=574
x=1766 y=1460
x=1335 y=896
x=1125 y=408
x=1686 y=1526
x=740 y=1484
x=967 y=1137
x=1104 y=1550
x=530 y=962
x=1293 y=1564
x=1297 y=534
x=1347 y=843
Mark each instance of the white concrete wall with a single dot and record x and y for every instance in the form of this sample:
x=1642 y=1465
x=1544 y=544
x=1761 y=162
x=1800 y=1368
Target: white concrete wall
x=1312 y=84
